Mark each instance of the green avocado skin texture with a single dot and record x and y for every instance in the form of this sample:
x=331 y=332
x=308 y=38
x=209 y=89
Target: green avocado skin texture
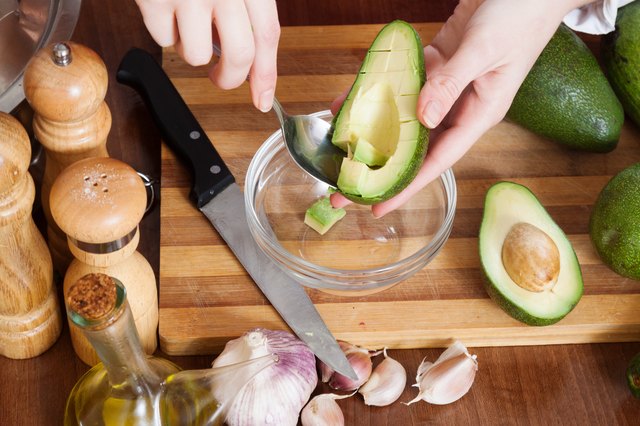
x=567 y=98
x=412 y=166
x=633 y=376
x=621 y=56
x=516 y=312
x=614 y=225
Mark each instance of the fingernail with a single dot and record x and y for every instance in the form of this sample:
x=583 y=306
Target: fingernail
x=266 y=101
x=431 y=113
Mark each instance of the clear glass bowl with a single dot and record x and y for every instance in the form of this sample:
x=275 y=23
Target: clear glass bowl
x=358 y=255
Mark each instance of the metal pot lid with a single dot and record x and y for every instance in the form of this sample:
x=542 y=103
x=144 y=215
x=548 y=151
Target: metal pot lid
x=25 y=27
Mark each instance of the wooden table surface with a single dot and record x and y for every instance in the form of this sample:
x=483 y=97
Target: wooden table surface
x=559 y=384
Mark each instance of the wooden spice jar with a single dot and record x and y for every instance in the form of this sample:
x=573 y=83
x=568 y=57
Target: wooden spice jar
x=30 y=320
x=65 y=84
x=98 y=203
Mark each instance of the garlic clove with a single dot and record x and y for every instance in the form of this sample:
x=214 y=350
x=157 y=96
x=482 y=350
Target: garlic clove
x=386 y=383
x=360 y=360
x=449 y=378
x=325 y=372
x=323 y=410
x=423 y=368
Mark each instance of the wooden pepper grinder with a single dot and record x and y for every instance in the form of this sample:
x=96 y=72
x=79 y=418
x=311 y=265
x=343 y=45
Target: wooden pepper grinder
x=65 y=84
x=98 y=203
x=30 y=320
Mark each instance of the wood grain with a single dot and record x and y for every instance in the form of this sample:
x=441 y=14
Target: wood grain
x=579 y=384
x=71 y=121
x=30 y=320
x=206 y=296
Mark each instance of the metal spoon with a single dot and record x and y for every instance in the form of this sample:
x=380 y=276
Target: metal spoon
x=308 y=140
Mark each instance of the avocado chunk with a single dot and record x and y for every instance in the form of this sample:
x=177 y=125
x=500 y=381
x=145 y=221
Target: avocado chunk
x=633 y=376
x=621 y=57
x=530 y=268
x=377 y=124
x=321 y=216
x=567 y=98
x=614 y=225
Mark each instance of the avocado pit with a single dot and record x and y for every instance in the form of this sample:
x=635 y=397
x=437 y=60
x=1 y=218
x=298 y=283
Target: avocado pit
x=531 y=257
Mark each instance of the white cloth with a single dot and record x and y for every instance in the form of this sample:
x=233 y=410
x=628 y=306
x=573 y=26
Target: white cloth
x=598 y=17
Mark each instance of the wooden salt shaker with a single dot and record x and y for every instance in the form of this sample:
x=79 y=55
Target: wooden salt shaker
x=98 y=203
x=30 y=320
x=65 y=84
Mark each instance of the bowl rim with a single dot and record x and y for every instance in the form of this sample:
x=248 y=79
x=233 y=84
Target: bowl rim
x=273 y=145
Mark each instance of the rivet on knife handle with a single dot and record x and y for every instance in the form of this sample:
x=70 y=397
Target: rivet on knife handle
x=171 y=114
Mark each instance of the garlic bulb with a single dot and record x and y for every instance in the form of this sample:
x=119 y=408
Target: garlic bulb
x=449 y=378
x=360 y=360
x=386 y=383
x=323 y=410
x=276 y=395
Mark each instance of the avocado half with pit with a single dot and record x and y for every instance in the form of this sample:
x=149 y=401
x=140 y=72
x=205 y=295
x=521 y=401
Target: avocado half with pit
x=530 y=267
x=377 y=124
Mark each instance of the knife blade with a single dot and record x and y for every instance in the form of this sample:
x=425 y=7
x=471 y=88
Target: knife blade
x=220 y=199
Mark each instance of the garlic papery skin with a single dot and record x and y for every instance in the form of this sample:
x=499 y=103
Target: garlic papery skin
x=360 y=360
x=276 y=395
x=323 y=410
x=449 y=378
x=386 y=383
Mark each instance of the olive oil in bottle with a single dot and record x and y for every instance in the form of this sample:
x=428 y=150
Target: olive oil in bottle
x=129 y=388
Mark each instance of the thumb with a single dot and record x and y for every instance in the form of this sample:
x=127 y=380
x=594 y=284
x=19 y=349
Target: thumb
x=444 y=86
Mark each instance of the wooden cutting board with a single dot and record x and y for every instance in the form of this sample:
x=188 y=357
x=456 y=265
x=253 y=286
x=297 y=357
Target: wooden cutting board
x=206 y=298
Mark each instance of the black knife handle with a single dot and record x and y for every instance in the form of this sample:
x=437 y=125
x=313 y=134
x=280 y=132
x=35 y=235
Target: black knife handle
x=179 y=128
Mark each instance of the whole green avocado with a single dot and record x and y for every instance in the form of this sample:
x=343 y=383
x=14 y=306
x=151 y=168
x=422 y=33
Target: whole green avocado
x=567 y=98
x=621 y=55
x=614 y=226
x=633 y=376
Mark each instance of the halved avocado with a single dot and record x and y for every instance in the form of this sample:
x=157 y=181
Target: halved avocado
x=377 y=124
x=530 y=267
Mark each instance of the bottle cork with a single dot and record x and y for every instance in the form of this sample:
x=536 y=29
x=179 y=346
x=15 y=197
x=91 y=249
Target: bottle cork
x=98 y=203
x=30 y=320
x=65 y=83
x=93 y=296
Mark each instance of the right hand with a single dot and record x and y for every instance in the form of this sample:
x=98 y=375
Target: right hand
x=475 y=66
x=248 y=32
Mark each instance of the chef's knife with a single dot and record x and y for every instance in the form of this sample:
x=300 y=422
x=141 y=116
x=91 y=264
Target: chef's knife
x=220 y=199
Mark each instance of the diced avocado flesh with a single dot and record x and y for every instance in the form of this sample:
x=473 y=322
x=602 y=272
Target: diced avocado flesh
x=321 y=216
x=507 y=204
x=377 y=124
x=366 y=153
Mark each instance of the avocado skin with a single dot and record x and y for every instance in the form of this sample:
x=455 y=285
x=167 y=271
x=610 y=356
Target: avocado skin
x=516 y=312
x=614 y=225
x=633 y=376
x=621 y=57
x=567 y=98
x=423 y=138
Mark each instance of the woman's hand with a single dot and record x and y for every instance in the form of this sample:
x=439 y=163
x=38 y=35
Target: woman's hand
x=247 y=30
x=475 y=65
